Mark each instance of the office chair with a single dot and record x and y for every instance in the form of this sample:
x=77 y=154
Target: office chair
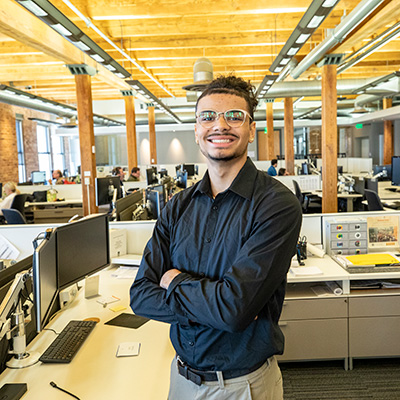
x=13 y=217
x=19 y=203
x=374 y=202
x=307 y=200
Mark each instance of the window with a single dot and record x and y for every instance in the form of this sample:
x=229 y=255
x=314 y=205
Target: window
x=21 y=154
x=43 y=143
x=58 y=152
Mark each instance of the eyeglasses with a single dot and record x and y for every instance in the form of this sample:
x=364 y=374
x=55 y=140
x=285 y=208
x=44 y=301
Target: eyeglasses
x=234 y=118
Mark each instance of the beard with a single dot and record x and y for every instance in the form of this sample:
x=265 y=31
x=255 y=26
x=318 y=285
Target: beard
x=224 y=157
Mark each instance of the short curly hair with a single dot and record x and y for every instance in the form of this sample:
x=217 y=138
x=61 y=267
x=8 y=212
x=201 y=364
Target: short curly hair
x=232 y=84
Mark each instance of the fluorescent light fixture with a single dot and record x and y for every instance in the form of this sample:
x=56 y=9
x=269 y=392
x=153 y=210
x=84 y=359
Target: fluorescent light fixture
x=97 y=58
x=120 y=75
x=316 y=21
x=303 y=38
x=9 y=92
x=279 y=69
x=284 y=61
x=270 y=81
x=33 y=8
x=61 y=30
x=110 y=67
x=329 y=3
x=293 y=51
x=82 y=46
x=265 y=85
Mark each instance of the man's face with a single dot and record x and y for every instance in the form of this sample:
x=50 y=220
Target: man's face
x=136 y=174
x=121 y=173
x=222 y=142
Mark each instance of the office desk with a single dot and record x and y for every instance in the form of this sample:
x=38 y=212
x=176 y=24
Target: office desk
x=96 y=373
x=54 y=211
x=350 y=197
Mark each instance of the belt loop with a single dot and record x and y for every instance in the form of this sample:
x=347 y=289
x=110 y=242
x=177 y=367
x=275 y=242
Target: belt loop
x=220 y=377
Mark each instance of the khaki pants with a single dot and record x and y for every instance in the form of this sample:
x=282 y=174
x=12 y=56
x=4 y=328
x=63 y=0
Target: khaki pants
x=263 y=384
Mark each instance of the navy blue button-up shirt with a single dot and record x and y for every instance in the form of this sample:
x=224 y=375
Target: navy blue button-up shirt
x=234 y=252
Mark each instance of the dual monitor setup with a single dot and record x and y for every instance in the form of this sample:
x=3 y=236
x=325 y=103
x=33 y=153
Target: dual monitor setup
x=66 y=255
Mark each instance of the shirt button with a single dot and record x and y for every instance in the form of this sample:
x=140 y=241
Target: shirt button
x=215 y=208
x=191 y=344
x=208 y=240
x=202 y=274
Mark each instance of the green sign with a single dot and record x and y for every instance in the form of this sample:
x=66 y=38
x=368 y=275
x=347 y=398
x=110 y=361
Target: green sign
x=359 y=126
x=265 y=130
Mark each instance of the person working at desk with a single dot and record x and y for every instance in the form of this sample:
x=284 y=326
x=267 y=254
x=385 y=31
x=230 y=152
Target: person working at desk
x=10 y=190
x=215 y=267
x=282 y=172
x=272 y=168
x=57 y=178
x=135 y=174
x=118 y=171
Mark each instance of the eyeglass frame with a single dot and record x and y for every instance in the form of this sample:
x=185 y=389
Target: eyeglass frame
x=246 y=113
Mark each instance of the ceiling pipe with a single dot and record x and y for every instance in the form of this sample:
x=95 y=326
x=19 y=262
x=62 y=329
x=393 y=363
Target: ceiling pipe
x=313 y=88
x=361 y=11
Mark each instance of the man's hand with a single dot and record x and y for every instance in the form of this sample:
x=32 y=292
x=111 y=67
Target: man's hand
x=167 y=278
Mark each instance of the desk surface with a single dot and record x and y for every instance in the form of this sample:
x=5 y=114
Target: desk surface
x=54 y=203
x=96 y=373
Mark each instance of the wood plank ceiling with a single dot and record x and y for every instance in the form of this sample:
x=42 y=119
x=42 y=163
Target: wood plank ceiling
x=166 y=37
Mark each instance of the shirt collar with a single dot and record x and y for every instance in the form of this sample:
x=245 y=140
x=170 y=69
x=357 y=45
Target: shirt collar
x=242 y=185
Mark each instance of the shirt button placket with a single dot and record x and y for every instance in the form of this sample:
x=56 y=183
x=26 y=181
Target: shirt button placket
x=212 y=223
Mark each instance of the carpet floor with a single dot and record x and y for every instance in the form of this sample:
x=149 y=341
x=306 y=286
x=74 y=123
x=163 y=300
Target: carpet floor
x=372 y=379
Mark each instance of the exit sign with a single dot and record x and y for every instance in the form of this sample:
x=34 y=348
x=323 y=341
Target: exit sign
x=359 y=126
x=265 y=130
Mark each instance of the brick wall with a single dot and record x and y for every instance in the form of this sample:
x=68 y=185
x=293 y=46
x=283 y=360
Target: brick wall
x=8 y=141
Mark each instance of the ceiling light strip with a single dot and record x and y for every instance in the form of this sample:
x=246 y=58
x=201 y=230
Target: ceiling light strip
x=89 y=23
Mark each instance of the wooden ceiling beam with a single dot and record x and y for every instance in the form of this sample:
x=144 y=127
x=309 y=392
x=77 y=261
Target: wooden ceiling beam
x=140 y=8
x=35 y=33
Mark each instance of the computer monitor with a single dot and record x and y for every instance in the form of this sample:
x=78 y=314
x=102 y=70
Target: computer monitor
x=125 y=207
x=396 y=170
x=45 y=284
x=181 y=179
x=340 y=169
x=380 y=168
x=151 y=176
x=304 y=168
x=190 y=168
x=162 y=197
x=38 y=177
x=82 y=249
x=153 y=201
x=105 y=189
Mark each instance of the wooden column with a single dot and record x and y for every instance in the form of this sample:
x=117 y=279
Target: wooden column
x=86 y=139
x=289 y=135
x=329 y=139
x=152 y=135
x=388 y=149
x=131 y=131
x=270 y=131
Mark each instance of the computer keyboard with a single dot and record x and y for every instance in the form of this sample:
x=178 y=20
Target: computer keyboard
x=67 y=343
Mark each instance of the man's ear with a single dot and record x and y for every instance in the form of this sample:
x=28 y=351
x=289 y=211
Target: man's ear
x=252 y=132
x=195 y=135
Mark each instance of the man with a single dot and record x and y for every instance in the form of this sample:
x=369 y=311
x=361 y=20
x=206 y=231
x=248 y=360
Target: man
x=118 y=171
x=57 y=177
x=215 y=267
x=135 y=174
x=272 y=168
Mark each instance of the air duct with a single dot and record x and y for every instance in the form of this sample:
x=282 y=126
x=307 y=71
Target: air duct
x=361 y=11
x=202 y=75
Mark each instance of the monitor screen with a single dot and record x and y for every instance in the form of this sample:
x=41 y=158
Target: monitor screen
x=105 y=189
x=82 y=249
x=162 y=198
x=382 y=168
x=396 y=170
x=153 y=200
x=190 y=169
x=38 y=177
x=125 y=207
x=151 y=176
x=45 y=285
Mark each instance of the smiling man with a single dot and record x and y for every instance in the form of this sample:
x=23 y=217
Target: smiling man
x=215 y=267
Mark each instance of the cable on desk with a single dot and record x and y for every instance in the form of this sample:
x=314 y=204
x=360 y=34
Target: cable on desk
x=49 y=329
x=63 y=390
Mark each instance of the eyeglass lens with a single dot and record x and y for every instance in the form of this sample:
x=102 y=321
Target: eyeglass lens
x=233 y=118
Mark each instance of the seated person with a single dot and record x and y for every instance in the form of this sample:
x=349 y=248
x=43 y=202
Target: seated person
x=272 y=169
x=57 y=178
x=282 y=172
x=118 y=171
x=135 y=174
x=10 y=190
